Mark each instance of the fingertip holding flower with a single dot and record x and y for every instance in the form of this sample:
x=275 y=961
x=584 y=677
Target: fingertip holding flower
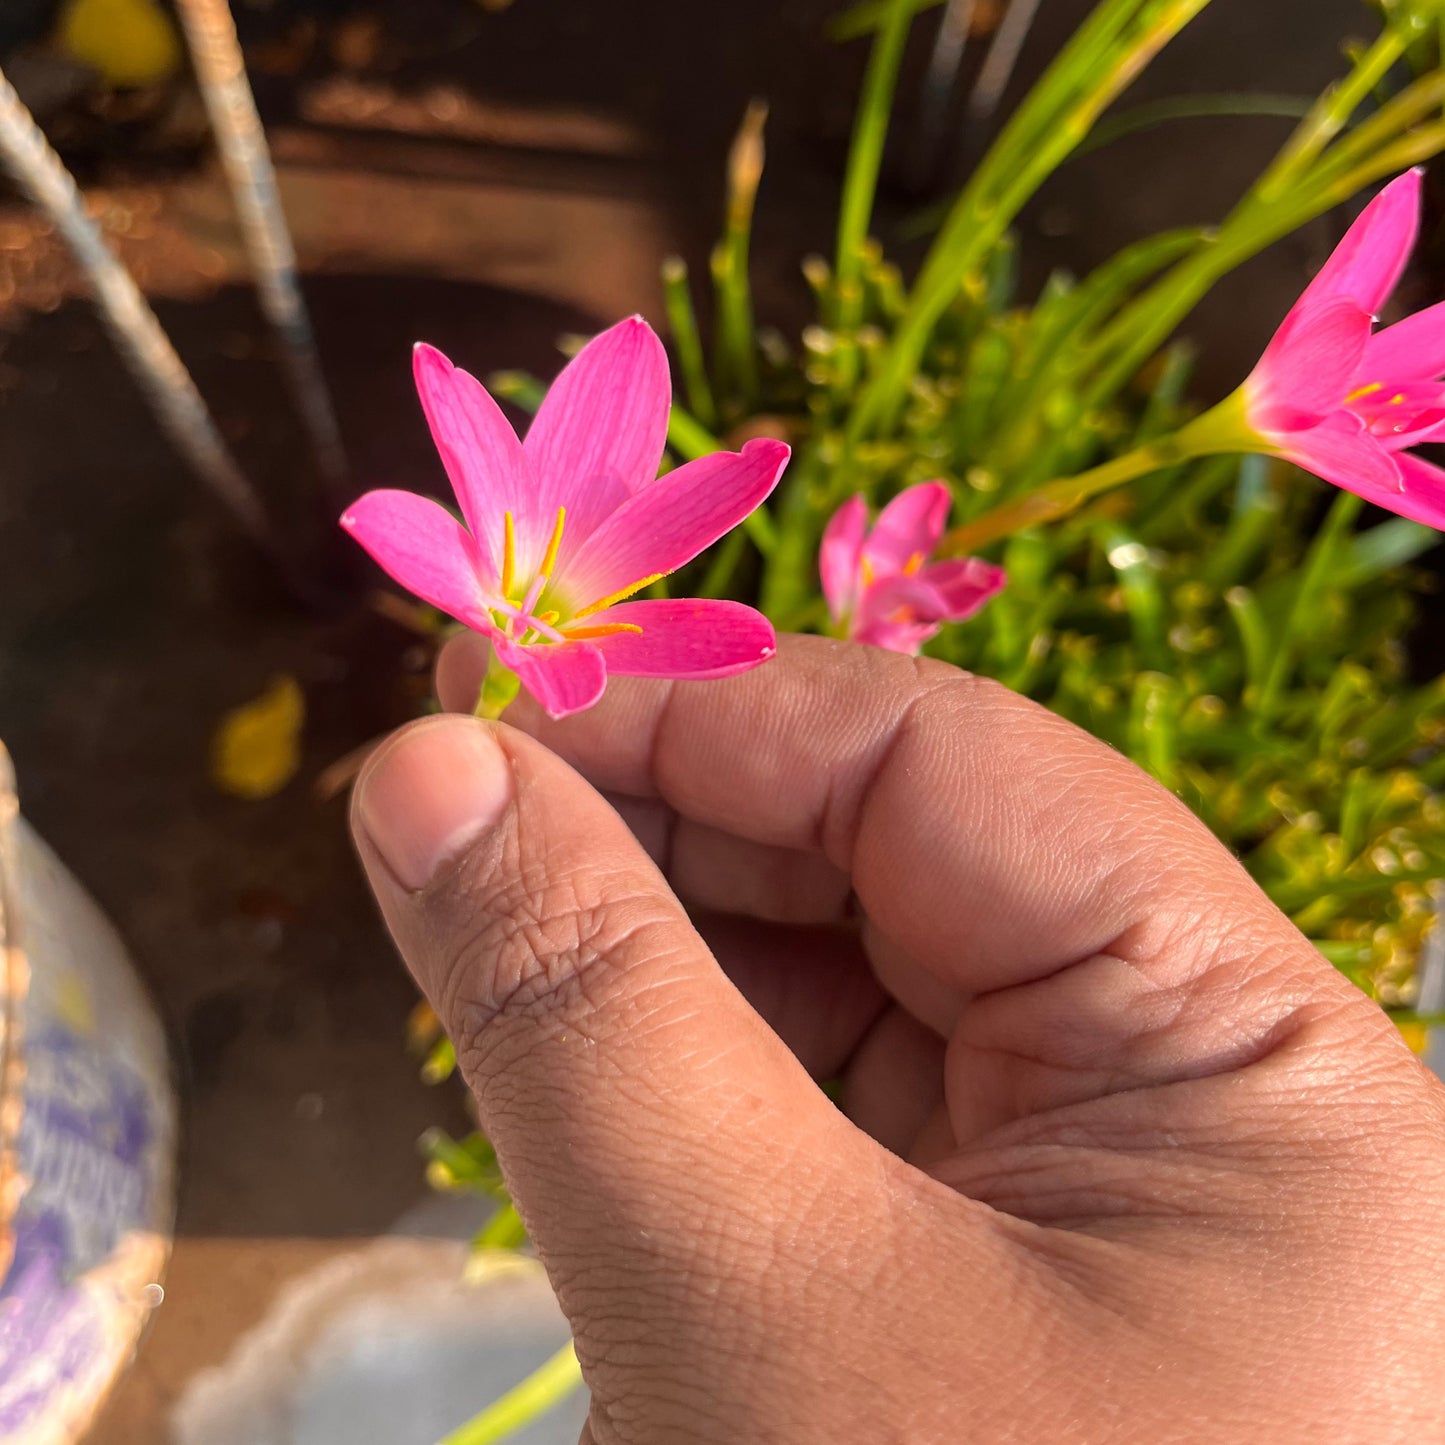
x=564 y=527
x=881 y=587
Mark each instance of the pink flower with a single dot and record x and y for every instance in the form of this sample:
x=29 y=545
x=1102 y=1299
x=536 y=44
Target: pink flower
x=879 y=584
x=1345 y=403
x=561 y=530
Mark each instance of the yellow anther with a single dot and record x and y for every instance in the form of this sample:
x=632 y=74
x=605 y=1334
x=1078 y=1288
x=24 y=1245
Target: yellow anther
x=867 y=573
x=548 y=618
x=1368 y=390
x=603 y=629
x=1397 y=399
x=913 y=564
x=550 y=559
x=617 y=597
x=509 y=554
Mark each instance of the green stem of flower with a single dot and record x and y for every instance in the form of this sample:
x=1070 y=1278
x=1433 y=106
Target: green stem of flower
x=1217 y=431
x=504 y=1230
x=543 y=1389
x=499 y=687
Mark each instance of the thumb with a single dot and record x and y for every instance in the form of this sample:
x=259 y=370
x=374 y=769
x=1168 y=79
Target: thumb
x=655 y=1133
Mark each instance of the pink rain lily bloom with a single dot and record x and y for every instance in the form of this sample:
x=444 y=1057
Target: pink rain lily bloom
x=881 y=587
x=1344 y=401
x=562 y=529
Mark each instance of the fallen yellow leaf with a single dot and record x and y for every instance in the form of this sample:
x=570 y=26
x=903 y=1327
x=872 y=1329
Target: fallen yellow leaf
x=130 y=42
x=257 y=748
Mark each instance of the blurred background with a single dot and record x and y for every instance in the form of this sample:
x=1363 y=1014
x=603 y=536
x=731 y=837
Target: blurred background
x=488 y=177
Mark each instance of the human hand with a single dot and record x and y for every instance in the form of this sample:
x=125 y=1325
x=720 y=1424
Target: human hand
x=1119 y=1158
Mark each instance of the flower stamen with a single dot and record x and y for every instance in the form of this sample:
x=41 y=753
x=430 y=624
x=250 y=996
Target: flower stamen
x=602 y=629
x=549 y=559
x=509 y=553
x=616 y=597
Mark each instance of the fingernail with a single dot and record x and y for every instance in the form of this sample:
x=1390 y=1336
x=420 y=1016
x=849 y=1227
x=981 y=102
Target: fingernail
x=431 y=794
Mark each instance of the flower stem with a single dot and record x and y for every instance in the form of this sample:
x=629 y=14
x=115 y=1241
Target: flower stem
x=543 y=1389
x=860 y=183
x=1117 y=41
x=1331 y=113
x=682 y=318
x=1223 y=428
x=737 y=350
x=504 y=1230
x=499 y=687
x=1323 y=550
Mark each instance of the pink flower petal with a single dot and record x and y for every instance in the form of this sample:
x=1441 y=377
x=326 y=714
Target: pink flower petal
x=908 y=528
x=599 y=434
x=1367 y=264
x=899 y=613
x=478 y=447
x=1410 y=350
x=840 y=554
x=422 y=546
x=1402 y=415
x=965 y=584
x=565 y=677
x=1307 y=370
x=688 y=637
x=1341 y=451
x=1423 y=499
x=668 y=523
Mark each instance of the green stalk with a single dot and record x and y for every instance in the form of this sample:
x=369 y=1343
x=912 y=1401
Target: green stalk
x=860 y=182
x=720 y=568
x=504 y=1230
x=1141 y=328
x=1212 y=434
x=1331 y=113
x=690 y=439
x=500 y=686
x=1413 y=104
x=541 y=1391
x=788 y=566
x=682 y=320
x=1342 y=514
x=870 y=15
x=1267 y=213
x=1203 y=106
x=737 y=350
x=1050 y=124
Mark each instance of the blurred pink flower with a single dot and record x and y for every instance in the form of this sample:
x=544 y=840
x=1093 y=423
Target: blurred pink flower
x=880 y=585
x=561 y=530
x=1345 y=403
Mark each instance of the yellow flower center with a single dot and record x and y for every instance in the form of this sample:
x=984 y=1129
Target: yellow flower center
x=534 y=626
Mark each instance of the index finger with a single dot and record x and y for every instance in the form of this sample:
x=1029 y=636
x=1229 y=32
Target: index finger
x=992 y=841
